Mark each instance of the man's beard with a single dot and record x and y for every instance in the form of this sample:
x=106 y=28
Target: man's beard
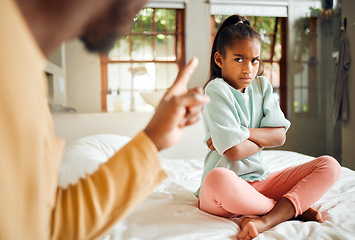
x=102 y=45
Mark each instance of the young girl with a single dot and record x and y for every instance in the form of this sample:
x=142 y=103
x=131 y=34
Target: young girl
x=242 y=118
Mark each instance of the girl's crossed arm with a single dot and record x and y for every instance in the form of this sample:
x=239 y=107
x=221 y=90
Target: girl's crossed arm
x=259 y=138
x=243 y=150
x=238 y=152
x=268 y=136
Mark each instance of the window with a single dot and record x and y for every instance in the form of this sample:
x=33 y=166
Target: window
x=147 y=59
x=305 y=70
x=273 y=51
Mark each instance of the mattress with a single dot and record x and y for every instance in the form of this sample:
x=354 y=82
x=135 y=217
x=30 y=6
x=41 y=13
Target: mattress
x=171 y=212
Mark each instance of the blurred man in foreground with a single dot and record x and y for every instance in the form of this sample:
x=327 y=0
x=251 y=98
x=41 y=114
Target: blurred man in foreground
x=32 y=206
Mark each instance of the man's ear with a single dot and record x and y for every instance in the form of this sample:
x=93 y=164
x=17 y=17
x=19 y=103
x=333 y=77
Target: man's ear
x=218 y=59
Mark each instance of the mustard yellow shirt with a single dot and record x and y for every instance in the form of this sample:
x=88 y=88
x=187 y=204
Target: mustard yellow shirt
x=32 y=206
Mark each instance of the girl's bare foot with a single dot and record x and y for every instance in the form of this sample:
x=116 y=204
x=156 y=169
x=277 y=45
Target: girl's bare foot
x=311 y=214
x=251 y=227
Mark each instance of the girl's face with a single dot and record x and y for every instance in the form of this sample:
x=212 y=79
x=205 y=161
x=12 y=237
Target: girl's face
x=240 y=64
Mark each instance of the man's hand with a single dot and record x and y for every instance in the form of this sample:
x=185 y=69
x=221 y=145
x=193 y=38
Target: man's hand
x=178 y=108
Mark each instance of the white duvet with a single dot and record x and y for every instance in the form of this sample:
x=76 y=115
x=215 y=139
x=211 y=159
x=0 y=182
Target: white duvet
x=170 y=211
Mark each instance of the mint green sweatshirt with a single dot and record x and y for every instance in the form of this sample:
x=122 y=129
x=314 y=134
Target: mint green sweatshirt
x=227 y=118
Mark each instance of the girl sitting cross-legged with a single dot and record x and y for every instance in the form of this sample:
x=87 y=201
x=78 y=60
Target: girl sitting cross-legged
x=241 y=119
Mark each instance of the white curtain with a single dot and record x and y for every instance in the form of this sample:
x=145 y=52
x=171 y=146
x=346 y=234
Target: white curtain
x=267 y=8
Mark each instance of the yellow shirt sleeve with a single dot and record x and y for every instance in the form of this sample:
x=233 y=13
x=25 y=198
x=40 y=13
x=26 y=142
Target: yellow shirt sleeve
x=31 y=204
x=87 y=209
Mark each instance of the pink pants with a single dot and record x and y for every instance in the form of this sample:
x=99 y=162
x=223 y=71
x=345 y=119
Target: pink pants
x=225 y=194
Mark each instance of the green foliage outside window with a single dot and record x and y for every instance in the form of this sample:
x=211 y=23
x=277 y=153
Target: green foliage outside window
x=265 y=26
x=164 y=20
x=160 y=23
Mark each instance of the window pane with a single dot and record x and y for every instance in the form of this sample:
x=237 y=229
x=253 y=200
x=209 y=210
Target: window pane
x=218 y=21
x=121 y=50
x=301 y=75
x=305 y=100
x=140 y=105
x=165 y=47
x=110 y=99
x=266 y=45
x=305 y=75
x=166 y=74
x=301 y=88
x=126 y=101
x=119 y=102
x=301 y=100
x=142 y=48
x=143 y=76
x=267 y=24
x=297 y=103
x=298 y=78
x=277 y=51
x=143 y=21
x=119 y=76
x=165 y=20
x=272 y=73
x=139 y=54
x=301 y=48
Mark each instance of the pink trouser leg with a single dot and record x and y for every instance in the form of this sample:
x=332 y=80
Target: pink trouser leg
x=303 y=185
x=223 y=193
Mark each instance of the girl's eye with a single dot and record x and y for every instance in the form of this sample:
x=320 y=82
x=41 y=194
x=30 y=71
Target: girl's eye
x=255 y=61
x=239 y=60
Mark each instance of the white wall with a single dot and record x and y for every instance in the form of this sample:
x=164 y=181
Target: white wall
x=348 y=128
x=56 y=67
x=74 y=126
x=83 y=78
x=198 y=39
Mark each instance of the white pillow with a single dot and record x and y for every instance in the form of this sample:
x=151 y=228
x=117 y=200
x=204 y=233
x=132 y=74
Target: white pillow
x=84 y=155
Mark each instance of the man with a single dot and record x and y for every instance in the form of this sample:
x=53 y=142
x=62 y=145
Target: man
x=32 y=206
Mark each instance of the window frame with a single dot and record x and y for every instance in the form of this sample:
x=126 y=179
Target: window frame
x=180 y=54
x=310 y=89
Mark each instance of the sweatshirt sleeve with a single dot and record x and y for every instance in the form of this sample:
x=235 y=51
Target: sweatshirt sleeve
x=221 y=115
x=273 y=115
x=89 y=208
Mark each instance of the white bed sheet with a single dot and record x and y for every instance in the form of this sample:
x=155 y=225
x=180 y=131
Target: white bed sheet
x=170 y=211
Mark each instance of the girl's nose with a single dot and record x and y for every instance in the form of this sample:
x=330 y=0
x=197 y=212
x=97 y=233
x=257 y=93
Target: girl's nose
x=248 y=68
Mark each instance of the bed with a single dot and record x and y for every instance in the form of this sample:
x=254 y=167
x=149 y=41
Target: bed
x=170 y=211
